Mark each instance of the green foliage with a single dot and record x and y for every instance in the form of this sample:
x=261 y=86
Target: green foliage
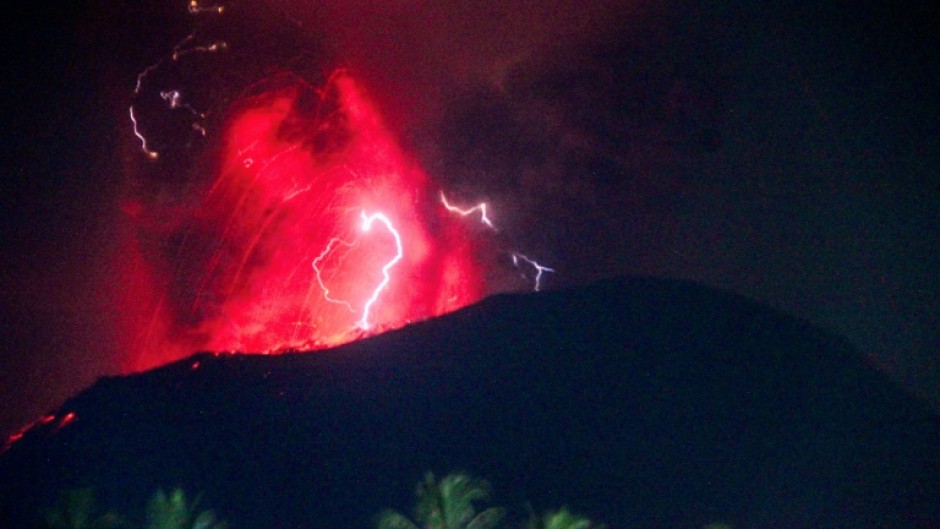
x=561 y=519
x=451 y=504
x=172 y=511
x=394 y=520
x=447 y=504
x=75 y=509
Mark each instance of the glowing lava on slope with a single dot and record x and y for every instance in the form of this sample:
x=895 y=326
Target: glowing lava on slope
x=318 y=230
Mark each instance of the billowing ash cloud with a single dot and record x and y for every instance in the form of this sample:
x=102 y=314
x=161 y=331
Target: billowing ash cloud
x=742 y=148
x=578 y=126
x=585 y=143
x=241 y=203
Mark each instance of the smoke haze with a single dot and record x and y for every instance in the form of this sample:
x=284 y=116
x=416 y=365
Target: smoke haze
x=787 y=153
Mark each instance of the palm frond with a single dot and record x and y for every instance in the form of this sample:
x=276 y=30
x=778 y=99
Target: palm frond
x=393 y=520
x=458 y=493
x=76 y=510
x=446 y=504
x=562 y=519
x=174 y=512
x=488 y=519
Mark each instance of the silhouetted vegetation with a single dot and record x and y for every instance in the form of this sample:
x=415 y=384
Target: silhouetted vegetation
x=456 y=501
x=172 y=511
x=76 y=510
x=447 y=504
x=560 y=519
x=451 y=504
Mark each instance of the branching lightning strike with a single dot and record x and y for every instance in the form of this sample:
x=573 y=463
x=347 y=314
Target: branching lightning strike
x=366 y=226
x=481 y=207
x=517 y=258
x=173 y=98
x=539 y=269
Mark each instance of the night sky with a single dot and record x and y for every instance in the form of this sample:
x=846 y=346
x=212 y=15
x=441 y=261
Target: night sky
x=786 y=153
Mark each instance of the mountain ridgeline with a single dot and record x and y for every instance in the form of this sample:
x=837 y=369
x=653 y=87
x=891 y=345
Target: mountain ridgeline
x=639 y=402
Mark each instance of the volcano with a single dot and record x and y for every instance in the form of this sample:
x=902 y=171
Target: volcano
x=639 y=402
x=294 y=244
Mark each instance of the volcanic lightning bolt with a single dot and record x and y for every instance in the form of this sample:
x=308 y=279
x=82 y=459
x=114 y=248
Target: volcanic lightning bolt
x=366 y=226
x=173 y=98
x=264 y=258
x=517 y=258
x=153 y=155
x=539 y=269
x=481 y=207
x=260 y=256
x=336 y=242
x=271 y=260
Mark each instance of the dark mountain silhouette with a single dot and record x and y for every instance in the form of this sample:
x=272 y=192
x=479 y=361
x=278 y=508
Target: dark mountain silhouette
x=638 y=402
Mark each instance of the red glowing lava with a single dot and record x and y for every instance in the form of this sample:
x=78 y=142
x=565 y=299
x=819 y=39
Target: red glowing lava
x=318 y=229
x=37 y=425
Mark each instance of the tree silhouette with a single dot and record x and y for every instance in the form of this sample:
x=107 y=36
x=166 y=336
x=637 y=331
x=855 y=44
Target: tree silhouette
x=75 y=509
x=174 y=512
x=560 y=519
x=447 y=504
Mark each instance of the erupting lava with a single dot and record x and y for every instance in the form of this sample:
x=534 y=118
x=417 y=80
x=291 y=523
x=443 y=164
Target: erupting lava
x=318 y=229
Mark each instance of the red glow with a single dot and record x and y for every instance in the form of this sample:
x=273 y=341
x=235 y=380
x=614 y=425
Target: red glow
x=280 y=254
x=14 y=438
x=65 y=421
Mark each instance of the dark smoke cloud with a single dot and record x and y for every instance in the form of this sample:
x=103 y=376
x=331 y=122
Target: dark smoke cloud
x=78 y=177
x=589 y=143
x=413 y=52
x=780 y=153
x=428 y=67
x=785 y=153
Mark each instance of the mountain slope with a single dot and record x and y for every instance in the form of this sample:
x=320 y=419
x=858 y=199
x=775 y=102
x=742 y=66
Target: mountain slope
x=640 y=402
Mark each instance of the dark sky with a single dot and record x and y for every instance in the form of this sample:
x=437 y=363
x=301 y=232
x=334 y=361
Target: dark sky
x=787 y=153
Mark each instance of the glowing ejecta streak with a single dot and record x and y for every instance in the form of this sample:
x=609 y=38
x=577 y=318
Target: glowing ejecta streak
x=366 y=226
x=195 y=9
x=316 y=269
x=481 y=207
x=539 y=268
